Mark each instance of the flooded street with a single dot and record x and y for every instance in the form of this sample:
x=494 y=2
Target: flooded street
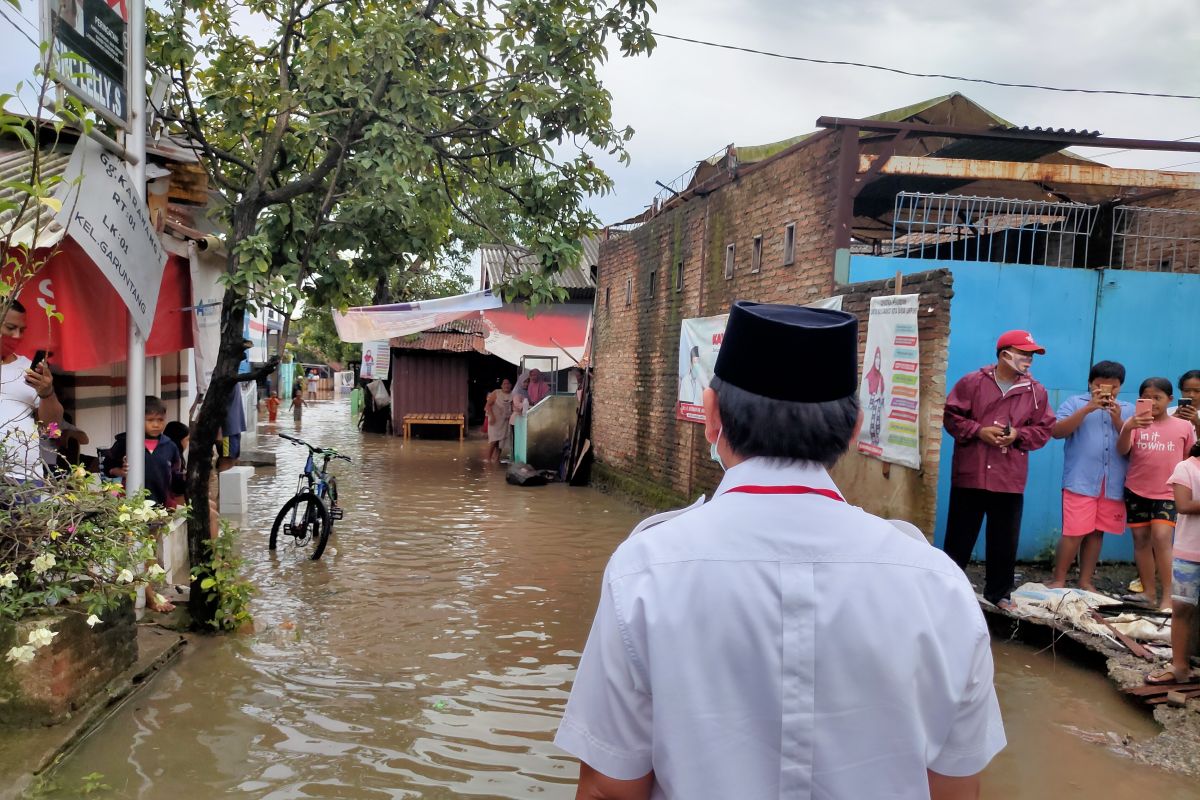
x=429 y=653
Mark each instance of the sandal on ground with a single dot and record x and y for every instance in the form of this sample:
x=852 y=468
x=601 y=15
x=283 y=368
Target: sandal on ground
x=1166 y=677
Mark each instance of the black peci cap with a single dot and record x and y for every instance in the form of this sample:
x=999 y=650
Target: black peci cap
x=819 y=349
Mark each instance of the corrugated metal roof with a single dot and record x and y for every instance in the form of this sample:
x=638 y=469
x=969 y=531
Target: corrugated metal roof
x=17 y=165
x=465 y=335
x=501 y=263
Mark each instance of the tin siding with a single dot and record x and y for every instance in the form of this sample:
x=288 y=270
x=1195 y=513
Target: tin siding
x=426 y=383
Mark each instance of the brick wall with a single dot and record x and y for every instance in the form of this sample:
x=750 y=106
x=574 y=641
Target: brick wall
x=639 y=444
x=65 y=674
x=897 y=492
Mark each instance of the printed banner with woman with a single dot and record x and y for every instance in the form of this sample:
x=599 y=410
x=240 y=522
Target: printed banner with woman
x=699 y=343
x=889 y=393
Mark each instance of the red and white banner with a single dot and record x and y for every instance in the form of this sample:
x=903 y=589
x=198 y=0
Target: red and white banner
x=94 y=329
x=699 y=343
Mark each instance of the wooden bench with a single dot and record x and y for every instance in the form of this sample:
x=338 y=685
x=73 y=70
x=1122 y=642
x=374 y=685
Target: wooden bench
x=434 y=419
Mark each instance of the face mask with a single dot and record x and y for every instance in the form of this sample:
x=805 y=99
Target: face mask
x=8 y=345
x=1019 y=364
x=712 y=451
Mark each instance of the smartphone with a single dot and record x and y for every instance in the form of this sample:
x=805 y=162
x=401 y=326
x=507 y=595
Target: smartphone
x=1143 y=407
x=38 y=358
x=1185 y=402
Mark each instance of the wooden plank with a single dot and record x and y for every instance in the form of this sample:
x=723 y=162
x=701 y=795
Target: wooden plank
x=1130 y=644
x=1149 y=690
x=1032 y=172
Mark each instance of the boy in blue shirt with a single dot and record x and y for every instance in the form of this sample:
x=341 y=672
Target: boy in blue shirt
x=164 y=462
x=1093 y=472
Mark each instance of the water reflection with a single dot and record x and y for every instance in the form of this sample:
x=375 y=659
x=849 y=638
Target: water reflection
x=429 y=653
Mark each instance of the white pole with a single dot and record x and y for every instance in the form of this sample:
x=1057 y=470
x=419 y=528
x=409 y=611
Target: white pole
x=135 y=370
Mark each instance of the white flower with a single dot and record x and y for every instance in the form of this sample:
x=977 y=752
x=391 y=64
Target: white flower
x=124 y=576
x=40 y=637
x=155 y=571
x=148 y=505
x=8 y=580
x=43 y=562
x=93 y=620
x=124 y=518
x=20 y=655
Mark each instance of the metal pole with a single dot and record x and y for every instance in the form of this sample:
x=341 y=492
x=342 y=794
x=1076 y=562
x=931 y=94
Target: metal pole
x=135 y=370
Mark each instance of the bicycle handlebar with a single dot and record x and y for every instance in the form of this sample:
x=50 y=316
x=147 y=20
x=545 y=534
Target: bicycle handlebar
x=326 y=452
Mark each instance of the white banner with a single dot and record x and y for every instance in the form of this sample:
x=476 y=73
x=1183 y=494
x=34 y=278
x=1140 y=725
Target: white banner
x=106 y=215
x=368 y=323
x=699 y=343
x=889 y=392
x=376 y=360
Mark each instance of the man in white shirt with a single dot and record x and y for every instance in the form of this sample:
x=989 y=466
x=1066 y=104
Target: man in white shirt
x=26 y=398
x=777 y=642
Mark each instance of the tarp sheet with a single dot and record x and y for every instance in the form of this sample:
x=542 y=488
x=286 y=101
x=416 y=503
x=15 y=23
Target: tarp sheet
x=556 y=331
x=512 y=333
x=371 y=323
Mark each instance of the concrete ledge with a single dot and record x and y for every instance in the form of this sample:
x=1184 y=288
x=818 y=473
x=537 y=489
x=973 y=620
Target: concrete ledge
x=257 y=457
x=24 y=754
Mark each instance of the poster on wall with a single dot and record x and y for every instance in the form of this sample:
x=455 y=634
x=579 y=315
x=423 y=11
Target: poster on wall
x=889 y=393
x=376 y=360
x=699 y=343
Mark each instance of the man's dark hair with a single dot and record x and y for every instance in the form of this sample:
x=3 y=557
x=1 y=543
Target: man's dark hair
x=757 y=426
x=16 y=306
x=1190 y=375
x=155 y=405
x=1162 y=384
x=1107 y=369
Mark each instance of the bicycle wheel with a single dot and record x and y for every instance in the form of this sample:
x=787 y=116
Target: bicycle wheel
x=305 y=519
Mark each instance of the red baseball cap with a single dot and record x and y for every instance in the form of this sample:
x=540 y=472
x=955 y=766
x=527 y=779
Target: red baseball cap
x=1020 y=340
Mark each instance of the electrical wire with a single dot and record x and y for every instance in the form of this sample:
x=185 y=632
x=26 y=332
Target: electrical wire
x=911 y=74
x=18 y=28
x=1184 y=164
x=1130 y=149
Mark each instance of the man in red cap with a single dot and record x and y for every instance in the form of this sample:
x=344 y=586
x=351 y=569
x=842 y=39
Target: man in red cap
x=997 y=416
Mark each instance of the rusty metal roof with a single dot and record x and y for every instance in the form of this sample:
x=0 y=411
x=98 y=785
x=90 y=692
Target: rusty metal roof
x=16 y=164
x=465 y=335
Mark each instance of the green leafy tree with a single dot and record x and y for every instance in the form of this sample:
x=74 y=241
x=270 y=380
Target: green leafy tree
x=430 y=104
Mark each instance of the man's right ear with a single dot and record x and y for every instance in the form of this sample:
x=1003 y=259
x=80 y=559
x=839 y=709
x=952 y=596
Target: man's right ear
x=712 y=416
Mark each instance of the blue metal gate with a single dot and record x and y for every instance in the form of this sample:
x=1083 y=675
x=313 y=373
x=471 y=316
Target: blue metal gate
x=1142 y=319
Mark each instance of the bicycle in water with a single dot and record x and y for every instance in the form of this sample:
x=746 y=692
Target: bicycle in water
x=309 y=515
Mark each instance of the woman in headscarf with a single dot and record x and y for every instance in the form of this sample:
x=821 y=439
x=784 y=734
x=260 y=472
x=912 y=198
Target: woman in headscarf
x=498 y=408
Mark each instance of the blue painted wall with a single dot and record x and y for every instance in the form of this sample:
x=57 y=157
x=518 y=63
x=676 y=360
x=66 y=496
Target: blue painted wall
x=1142 y=319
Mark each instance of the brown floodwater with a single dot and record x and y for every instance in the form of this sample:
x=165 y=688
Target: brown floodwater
x=430 y=652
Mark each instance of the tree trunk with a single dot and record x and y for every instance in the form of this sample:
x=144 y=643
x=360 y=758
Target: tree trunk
x=281 y=348
x=205 y=433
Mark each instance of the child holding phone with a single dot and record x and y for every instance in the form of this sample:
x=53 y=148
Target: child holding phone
x=1155 y=442
x=1185 y=481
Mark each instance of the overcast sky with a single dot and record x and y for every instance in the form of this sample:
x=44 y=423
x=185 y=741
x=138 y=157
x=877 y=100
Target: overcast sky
x=686 y=101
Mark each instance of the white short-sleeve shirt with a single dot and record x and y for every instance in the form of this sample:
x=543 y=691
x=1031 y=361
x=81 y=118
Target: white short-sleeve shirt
x=783 y=646
x=18 y=421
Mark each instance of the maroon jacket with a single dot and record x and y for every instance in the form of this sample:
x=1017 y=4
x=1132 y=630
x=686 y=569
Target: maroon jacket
x=976 y=402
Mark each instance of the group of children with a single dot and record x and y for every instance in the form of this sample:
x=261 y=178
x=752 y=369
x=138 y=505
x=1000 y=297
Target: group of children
x=1136 y=466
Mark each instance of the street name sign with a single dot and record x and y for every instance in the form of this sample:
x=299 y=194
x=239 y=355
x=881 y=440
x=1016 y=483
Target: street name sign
x=105 y=214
